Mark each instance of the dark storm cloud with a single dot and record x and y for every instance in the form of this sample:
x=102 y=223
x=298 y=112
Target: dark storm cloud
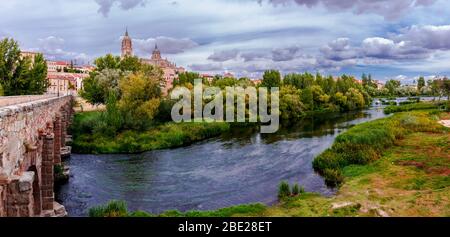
x=285 y=54
x=339 y=50
x=106 y=5
x=166 y=45
x=207 y=67
x=429 y=37
x=390 y=9
x=224 y=55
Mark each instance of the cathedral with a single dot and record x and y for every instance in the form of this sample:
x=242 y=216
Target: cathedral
x=171 y=70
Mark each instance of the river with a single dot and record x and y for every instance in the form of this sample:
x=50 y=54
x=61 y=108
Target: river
x=239 y=167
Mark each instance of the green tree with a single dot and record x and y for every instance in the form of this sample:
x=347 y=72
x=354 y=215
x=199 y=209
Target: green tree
x=307 y=99
x=130 y=63
x=1 y=90
x=140 y=100
x=98 y=86
x=186 y=78
x=420 y=83
x=392 y=86
x=20 y=76
x=271 y=78
x=107 y=62
x=291 y=106
x=355 y=100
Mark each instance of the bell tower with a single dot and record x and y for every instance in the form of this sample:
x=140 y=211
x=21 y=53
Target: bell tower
x=127 y=45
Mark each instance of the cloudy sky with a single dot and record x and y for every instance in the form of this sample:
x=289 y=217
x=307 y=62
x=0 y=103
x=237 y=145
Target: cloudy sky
x=388 y=38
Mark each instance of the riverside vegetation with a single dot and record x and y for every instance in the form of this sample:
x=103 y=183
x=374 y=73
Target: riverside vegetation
x=138 y=116
x=404 y=173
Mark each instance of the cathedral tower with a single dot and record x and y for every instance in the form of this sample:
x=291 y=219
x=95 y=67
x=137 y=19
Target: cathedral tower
x=127 y=46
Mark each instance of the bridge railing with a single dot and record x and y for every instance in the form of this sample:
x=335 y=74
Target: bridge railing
x=13 y=100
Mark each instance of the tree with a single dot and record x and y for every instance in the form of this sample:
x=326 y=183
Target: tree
x=355 y=100
x=129 y=63
x=1 y=90
x=290 y=105
x=19 y=75
x=186 y=78
x=140 y=100
x=392 y=85
x=271 y=78
x=98 y=86
x=420 y=83
x=107 y=62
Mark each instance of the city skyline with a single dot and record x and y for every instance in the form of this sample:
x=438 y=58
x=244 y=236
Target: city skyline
x=389 y=39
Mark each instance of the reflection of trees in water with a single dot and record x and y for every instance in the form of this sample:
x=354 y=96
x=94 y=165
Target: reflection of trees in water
x=320 y=125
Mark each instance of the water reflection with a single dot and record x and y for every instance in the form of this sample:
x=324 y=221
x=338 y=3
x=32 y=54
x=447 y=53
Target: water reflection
x=242 y=166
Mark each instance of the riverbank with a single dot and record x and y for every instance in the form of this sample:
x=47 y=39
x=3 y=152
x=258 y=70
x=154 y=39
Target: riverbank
x=162 y=136
x=409 y=178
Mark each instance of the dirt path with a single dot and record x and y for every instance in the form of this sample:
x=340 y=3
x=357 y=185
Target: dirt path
x=445 y=123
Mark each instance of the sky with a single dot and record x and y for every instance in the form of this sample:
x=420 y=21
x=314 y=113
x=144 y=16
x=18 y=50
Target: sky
x=390 y=39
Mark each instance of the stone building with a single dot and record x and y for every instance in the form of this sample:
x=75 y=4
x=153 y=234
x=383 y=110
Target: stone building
x=65 y=83
x=127 y=45
x=170 y=69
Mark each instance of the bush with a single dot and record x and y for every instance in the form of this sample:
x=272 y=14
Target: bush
x=112 y=209
x=296 y=190
x=284 y=190
x=410 y=107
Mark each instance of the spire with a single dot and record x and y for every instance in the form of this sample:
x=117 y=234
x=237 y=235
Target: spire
x=156 y=46
x=126 y=31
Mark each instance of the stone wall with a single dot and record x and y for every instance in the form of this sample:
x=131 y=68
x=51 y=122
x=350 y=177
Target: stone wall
x=30 y=142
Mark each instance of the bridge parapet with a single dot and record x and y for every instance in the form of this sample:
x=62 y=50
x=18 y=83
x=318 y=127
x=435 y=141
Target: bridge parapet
x=31 y=137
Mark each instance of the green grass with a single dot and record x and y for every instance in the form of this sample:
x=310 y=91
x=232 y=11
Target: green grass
x=168 y=135
x=364 y=143
x=119 y=209
x=411 y=105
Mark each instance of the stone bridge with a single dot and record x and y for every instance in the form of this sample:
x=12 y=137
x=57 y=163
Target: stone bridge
x=33 y=132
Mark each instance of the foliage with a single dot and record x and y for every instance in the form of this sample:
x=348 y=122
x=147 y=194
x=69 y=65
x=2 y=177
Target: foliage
x=409 y=107
x=21 y=75
x=186 y=78
x=392 y=85
x=291 y=106
x=100 y=85
x=365 y=142
x=271 y=78
x=284 y=190
x=89 y=134
x=111 y=209
x=119 y=209
x=140 y=100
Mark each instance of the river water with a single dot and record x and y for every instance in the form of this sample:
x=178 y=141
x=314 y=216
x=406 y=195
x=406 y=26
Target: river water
x=239 y=167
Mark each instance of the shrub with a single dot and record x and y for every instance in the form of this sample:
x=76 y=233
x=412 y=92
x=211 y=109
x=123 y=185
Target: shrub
x=295 y=190
x=112 y=209
x=411 y=106
x=284 y=190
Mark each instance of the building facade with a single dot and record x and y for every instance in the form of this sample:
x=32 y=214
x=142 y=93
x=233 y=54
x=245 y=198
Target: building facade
x=127 y=45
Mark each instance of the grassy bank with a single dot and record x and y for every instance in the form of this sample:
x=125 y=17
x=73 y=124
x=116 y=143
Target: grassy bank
x=414 y=106
x=167 y=135
x=366 y=142
x=408 y=177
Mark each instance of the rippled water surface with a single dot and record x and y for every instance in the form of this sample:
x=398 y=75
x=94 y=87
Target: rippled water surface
x=240 y=167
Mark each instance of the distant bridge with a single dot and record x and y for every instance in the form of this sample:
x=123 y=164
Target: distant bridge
x=33 y=132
